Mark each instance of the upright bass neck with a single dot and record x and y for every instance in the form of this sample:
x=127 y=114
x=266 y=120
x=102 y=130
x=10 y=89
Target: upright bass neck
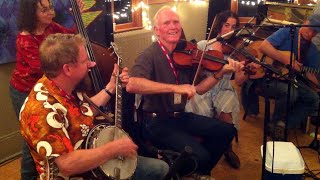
x=97 y=80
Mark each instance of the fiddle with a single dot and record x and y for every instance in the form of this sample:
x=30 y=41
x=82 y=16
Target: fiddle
x=249 y=47
x=187 y=55
x=239 y=43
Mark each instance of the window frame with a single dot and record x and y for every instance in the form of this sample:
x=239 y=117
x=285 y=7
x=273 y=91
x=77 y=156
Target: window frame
x=136 y=19
x=136 y=16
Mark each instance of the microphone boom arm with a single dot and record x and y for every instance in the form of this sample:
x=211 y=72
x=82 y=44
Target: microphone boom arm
x=266 y=66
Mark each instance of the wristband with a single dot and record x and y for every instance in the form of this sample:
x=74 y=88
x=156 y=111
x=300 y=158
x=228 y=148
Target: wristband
x=108 y=92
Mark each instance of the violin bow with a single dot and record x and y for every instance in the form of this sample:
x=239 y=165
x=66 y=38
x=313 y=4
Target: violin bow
x=203 y=52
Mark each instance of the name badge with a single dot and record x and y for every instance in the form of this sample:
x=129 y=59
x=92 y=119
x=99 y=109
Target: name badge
x=177 y=98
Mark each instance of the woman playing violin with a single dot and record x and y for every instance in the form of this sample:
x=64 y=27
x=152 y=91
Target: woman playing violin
x=35 y=23
x=222 y=96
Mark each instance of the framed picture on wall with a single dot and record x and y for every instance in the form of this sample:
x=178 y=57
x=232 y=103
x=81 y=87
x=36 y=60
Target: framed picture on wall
x=94 y=16
x=8 y=30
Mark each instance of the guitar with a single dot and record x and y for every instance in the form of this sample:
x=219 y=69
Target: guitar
x=284 y=70
x=301 y=72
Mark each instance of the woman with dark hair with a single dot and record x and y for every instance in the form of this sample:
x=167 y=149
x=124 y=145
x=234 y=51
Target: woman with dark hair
x=35 y=23
x=220 y=21
x=222 y=100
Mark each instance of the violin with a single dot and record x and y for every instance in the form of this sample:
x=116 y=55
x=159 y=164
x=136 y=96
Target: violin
x=239 y=43
x=249 y=47
x=188 y=55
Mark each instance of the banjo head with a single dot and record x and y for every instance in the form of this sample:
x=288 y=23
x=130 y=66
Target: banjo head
x=126 y=165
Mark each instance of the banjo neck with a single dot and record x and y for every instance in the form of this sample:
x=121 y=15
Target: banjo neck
x=118 y=104
x=118 y=107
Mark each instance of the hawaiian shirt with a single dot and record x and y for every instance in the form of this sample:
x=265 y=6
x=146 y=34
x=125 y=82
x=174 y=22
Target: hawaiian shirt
x=52 y=122
x=27 y=71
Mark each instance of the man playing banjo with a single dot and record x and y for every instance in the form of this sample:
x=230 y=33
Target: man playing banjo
x=55 y=120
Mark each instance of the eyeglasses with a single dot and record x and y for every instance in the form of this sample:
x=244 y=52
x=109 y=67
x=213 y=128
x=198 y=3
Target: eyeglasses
x=85 y=61
x=46 y=10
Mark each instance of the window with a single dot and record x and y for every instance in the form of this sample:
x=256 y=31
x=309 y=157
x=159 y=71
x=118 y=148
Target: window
x=123 y=17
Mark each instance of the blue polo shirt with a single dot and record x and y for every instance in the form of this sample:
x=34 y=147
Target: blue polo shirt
x=281 y=40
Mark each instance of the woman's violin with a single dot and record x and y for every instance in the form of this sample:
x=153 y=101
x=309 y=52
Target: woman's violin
x=249 y=47
x=244 y=44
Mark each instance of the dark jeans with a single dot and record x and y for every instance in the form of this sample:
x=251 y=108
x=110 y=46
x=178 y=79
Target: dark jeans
x=249 y=98
x=304 y=101
x=28 y=168
x=176 y=133
x=150 y=169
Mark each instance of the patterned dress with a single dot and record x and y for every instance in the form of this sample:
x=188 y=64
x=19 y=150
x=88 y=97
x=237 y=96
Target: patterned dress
x=220 y=98
x=53 y=123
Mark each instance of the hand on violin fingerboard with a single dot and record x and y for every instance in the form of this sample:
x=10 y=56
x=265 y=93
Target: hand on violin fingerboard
x=232 y=66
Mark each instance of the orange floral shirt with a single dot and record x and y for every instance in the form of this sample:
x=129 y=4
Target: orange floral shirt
x=52 y=122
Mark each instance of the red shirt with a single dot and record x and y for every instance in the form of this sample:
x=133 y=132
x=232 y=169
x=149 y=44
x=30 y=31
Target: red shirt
x=27 y=71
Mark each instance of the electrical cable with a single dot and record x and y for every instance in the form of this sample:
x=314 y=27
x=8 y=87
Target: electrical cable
x=308 y=173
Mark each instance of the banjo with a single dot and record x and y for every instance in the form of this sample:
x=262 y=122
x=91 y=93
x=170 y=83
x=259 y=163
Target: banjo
x=119 y=167
x=116 y=168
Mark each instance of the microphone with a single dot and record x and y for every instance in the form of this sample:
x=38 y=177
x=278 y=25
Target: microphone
x=178 y=162
x=222 y=37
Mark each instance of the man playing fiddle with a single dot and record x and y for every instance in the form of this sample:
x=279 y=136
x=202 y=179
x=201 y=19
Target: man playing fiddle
x=165 y=90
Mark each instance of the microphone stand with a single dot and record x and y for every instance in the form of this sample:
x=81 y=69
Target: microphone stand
x=291 y=75
x=269 y=71
x=291 y=72
x=223 y=37
x=269 y=67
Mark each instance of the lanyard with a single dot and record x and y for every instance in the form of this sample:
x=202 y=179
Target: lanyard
x=175 y=72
